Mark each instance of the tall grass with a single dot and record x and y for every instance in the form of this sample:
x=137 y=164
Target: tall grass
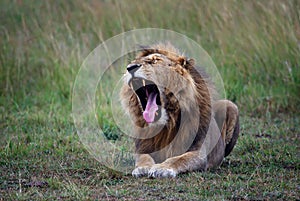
x=255 y=45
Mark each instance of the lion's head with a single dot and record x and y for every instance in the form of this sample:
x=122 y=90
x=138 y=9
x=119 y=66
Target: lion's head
x=159 y=84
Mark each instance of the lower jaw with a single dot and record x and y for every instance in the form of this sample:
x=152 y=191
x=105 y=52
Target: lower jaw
x=157 y=117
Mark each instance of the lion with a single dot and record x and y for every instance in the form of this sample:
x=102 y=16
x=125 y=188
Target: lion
x=178 y=122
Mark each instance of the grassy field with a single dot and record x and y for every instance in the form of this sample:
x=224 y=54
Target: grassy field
x=254 y=44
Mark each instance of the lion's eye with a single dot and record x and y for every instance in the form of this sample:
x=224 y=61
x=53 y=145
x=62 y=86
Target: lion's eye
x=151 y=61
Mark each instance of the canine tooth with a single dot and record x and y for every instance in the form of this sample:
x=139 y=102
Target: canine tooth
x=131 y=85
x=156 y=113
x=144 y=83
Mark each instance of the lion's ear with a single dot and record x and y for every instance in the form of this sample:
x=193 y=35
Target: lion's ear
x=185 y=62
x=191 y=62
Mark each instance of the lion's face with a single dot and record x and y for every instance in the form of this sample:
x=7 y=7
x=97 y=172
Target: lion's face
x=157 y=81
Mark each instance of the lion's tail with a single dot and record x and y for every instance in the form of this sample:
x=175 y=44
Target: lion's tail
x=231 y=137
x=227 y=117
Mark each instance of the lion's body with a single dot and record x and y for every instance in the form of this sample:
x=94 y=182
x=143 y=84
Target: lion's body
x=179 y=127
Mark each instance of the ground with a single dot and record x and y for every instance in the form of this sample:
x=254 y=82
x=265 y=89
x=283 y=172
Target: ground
x=47 y=161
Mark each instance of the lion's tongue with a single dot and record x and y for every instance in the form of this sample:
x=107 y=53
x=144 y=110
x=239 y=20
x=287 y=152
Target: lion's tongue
x=151 y=108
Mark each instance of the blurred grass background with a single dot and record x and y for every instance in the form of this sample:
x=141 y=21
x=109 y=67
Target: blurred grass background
x=254 y=44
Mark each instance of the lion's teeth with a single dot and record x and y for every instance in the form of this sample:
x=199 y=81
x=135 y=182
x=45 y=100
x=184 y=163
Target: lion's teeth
x=131 y=85
x=156 y=113
x=144 y=83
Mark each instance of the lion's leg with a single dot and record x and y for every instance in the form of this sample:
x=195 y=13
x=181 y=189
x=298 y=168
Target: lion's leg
x=143 y=163
x=188 y=161
x=227 y=117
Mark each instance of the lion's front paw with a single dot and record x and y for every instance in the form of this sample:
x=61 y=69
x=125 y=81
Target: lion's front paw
x=140 y=171
x=160 y=171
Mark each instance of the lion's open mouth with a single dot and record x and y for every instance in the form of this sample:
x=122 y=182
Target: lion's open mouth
x=148 y=94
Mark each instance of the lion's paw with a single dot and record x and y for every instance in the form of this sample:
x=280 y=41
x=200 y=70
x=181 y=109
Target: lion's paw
x=140 y=171
x=158 y=171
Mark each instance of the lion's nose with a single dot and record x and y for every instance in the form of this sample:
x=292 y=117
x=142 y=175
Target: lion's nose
x=133 y=67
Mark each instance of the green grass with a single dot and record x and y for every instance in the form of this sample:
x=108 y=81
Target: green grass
x=264 y=165
x=254 y=44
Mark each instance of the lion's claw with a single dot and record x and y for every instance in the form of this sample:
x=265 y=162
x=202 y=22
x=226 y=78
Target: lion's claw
x=140 y=171
x=161 y=172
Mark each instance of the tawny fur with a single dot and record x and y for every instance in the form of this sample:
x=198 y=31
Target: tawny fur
x=198 y=131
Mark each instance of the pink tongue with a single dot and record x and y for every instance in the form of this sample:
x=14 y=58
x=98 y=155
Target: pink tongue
x=151 y=108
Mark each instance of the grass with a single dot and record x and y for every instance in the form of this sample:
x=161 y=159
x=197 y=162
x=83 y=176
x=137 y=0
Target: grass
x=264 y=165
x=254 y=44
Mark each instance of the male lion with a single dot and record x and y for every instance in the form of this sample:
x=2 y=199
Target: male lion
x=178 y=124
